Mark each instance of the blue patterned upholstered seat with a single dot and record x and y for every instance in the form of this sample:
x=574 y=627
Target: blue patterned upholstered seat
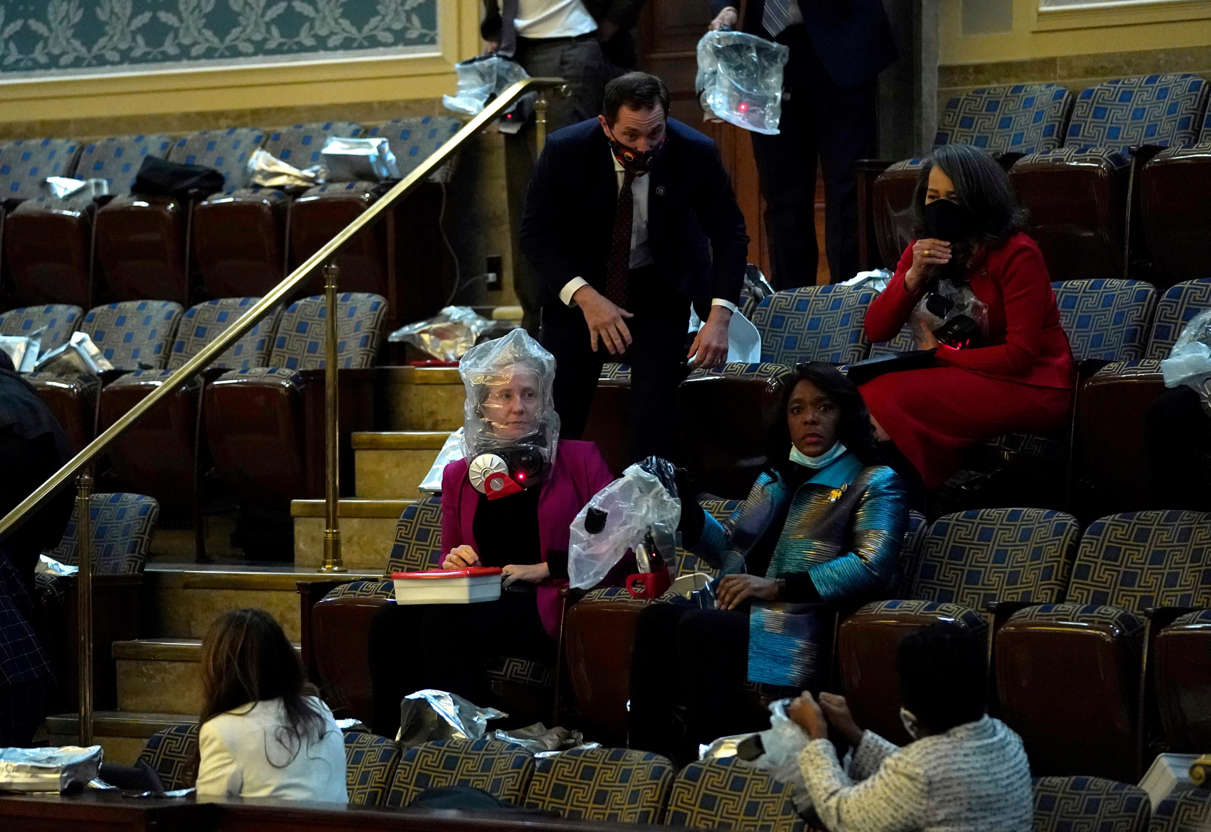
x=728 y=794
x=968 y=562
x=1105 y=320
x=414 y=139
x=173 y=753
x=25 y=164
x=501 y=769
x=1068 y=804
x=133 y=333
x=370 y=763
x=117 y=159
x=1018 y=118
x=122 y=525
x=58 y=322
x=1187 y=809
x=1126 y=564
x=602 y=784
x=815 y=323
x=226 y=151
x=206 y=321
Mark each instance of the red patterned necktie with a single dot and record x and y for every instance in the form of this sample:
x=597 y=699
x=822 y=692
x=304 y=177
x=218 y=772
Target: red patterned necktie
x=620 y=247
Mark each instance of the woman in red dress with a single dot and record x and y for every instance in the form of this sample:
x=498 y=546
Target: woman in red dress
x=976 y=289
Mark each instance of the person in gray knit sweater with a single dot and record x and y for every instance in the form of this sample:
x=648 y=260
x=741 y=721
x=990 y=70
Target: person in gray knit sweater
x=963 y=771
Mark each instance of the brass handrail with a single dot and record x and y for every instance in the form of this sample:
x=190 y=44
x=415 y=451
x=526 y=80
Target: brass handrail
x=275 y=295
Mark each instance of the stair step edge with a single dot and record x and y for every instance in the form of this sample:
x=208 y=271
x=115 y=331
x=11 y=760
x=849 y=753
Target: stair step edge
x=118 y=723
x=161 y=650
x=352 y=507
x=400 y=440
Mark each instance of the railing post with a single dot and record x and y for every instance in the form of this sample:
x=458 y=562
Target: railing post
x=84 y=603
x=540 y=120
x=332 y=531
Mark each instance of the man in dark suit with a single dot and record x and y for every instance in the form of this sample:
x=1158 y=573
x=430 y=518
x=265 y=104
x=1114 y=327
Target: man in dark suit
x=629 y=218
x=837 y=49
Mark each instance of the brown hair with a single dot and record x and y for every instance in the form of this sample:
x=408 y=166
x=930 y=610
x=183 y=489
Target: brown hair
x=246 y=658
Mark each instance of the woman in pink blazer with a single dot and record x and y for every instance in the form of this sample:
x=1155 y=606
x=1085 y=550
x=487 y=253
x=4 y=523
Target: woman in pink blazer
x=509 y=504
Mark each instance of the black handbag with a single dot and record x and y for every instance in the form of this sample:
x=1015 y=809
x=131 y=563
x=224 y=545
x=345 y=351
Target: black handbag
x=160 y=177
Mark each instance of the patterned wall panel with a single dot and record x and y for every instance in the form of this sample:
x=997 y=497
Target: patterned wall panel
x=299 y=343
x=133 y=333
x=1068 y=804
x=1145 y=559
x=815 y=323
x=58 y=322
x=72 y=37
x=117 y=159
x=1009 y=554
x=500 y=769
x=1021 y=118
x=1142 y=110
x=1177 y=306
x=203 y=323
x=1105 y=319
x=602 y=784
x=726 y=794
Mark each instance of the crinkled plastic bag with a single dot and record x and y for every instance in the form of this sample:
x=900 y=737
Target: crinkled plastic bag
x=946 y=305
x=479 y=81
x=428 y=715
x=782 y=742
x=1189 y=361
x=269 y=171
x=78 y=357
x=447 y=335
x=23 y=349
x=740 y=79
x=47 y=565
x=632 y=504
x=876 y=279
x=48 y=769
x=359 y=160
x=539 y=739
x=452 y=449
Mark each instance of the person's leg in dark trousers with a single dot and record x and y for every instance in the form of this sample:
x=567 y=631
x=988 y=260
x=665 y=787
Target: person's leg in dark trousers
x=395 y=662
x=657 y=359
x=577 y=367
x=846 y=131
x=582 y=64
x=786 y=167
x=712 y=646
x=655 y=679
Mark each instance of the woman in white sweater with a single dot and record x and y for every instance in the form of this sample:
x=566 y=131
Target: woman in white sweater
x=963 y=772
x=263 y=732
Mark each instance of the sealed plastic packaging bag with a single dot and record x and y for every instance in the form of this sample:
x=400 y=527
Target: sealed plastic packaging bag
x=740 y=79
x=269 y=171
x=78 y=357
x=48 y=769
x=23 y=350
x=1189 y=362
x=445 y=336
x=619 y=518
x=951 y=313
x=359 y=160
x=480 y=79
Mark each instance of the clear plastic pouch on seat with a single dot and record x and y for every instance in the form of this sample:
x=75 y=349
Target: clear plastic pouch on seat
x=78 y=357
x=1189 y=362
x=359 y=160
x=48 y=769
x=740 y=79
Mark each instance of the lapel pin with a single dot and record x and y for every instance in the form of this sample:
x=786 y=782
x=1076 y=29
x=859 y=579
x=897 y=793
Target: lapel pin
x=660 y=190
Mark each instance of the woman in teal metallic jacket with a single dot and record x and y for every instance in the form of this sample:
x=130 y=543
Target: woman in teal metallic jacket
x=821 y=528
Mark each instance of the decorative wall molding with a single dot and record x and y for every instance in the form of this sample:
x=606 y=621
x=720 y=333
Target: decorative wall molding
x=61 y=39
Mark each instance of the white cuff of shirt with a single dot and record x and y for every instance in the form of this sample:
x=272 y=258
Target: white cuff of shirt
x=569 y=289
x=726 y=304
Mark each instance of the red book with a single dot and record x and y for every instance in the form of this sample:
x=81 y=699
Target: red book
x=455 y=586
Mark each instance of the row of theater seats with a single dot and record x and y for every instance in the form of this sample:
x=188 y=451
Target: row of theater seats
x=1077 y=617
x=621 y=786
x=240 y=240
x=1119 y=331
x=256 y=415
x=1115 y=177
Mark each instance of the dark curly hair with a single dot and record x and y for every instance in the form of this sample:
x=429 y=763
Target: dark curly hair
x=853 y=428
x=984 y=190
x=943 y=676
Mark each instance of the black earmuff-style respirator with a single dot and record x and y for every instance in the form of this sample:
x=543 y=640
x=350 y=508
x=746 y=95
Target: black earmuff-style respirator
x=508 y=469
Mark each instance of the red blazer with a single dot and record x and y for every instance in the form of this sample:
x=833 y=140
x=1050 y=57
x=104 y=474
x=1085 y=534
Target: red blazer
x=1025 y=340
x=579 y=472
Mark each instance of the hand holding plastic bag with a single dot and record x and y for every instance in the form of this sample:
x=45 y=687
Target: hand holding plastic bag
x=780 y=746
x=620 y=515
x=740 y=79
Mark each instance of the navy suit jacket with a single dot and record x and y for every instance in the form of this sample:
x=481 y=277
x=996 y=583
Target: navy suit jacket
x=695 y=228
x=852 y=38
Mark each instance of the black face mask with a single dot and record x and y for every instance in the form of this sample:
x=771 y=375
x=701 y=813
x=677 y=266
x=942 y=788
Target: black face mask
x=638 y=162
x=949 y=221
